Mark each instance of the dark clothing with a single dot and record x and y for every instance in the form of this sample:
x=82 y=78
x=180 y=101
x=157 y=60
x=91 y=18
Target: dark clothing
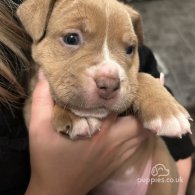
x=148 y=63
x=14 y=151
x=14 y=155
x=179 y=148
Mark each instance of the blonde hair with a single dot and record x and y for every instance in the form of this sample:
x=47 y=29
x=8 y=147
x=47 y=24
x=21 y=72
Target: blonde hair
x=14 y=54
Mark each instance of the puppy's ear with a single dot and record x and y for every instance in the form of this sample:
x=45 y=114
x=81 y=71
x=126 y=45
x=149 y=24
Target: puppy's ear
x=34 y=15
x=137 y=23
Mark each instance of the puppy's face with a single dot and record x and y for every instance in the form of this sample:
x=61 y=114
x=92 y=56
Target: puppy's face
x=88 y=51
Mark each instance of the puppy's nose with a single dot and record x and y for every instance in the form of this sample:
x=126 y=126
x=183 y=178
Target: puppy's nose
x=107 y=87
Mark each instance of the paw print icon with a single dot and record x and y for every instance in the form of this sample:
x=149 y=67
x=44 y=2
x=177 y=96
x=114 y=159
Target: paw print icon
x=160 y=170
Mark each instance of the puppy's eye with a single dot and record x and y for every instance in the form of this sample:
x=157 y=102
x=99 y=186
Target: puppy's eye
x=71 y=39
x=130 y=50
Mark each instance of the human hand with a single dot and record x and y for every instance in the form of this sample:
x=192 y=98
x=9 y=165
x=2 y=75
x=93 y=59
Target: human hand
x=61 y=166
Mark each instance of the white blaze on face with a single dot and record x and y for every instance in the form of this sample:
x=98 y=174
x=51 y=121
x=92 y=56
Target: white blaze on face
x=110 y=64
x=108 y=61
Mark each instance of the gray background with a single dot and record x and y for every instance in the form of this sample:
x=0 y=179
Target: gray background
x=169 y=30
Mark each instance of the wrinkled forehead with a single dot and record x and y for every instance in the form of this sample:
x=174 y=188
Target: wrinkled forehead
x=90 y=15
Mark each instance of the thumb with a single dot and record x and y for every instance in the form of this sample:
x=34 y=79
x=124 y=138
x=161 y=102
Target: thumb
x=42 y=103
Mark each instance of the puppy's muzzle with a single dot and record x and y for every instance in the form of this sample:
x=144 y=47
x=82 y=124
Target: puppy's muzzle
x=107 y=87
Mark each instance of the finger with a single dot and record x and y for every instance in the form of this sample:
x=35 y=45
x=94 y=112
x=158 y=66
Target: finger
x=42 y=103
x=131 y=145
x=127 y=128
x=105 y=126
x=127 y=148
x=108 y=121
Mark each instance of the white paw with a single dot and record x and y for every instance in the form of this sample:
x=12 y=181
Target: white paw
x=84 y=128
x=174 y=126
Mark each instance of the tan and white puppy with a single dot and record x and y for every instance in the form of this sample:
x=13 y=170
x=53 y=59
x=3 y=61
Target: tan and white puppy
x=88 y=51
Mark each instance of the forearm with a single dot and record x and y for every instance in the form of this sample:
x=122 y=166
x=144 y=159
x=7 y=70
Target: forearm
x=184 y=169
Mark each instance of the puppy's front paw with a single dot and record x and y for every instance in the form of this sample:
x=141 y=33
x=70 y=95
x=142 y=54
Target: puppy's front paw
x=62 y=120
x=169 y=120
x=159 y=110
x=84 y=127
x=67 y=123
